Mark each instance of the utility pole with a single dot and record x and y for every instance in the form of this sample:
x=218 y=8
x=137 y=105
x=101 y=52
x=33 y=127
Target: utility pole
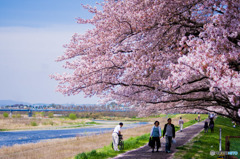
x=220 y=140
x=221 y=155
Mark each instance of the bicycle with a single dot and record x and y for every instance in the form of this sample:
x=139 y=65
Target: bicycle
x=120 y=143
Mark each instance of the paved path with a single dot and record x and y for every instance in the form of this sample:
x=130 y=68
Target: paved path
x=145 y=152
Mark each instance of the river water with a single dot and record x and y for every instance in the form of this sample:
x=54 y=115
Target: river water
x=10 y=138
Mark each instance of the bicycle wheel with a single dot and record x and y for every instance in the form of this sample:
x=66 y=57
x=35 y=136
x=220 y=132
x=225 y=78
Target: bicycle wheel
x=121 y=145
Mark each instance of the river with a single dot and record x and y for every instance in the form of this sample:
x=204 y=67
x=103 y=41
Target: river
x=10 y=138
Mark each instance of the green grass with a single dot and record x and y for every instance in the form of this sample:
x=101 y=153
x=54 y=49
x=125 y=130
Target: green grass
x=74 y=126
x=137 y=119
x=93 y=123
x=235 y=145
x=129 y=144
x=201 y=145
x=77 y=123
x=164 y=116
x=81 y=124
x=146 y=119
x=193 y=116
x=107 y=151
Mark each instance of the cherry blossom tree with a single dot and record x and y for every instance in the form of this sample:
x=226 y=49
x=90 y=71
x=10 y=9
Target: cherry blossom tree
x=159 y=55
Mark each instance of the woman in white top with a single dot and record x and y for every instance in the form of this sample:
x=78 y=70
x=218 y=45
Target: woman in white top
x=156 y=135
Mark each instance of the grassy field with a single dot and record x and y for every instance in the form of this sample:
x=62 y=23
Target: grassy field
x=202 y=144
x=136 y=142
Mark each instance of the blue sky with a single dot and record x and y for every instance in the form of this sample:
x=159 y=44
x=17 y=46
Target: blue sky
x=32 y=33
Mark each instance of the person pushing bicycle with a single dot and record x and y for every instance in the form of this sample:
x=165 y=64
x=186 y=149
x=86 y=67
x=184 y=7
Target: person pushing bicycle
x=115 y=135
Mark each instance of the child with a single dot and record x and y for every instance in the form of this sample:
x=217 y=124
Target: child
x=199 y=117
x=206 y=127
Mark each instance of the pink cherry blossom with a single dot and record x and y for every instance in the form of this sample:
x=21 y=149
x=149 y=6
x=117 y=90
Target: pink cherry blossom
x=159 y=56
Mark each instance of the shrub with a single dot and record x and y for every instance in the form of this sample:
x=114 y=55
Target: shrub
x=72 y=116
x=81 y=156
x=50 y=115
x=91 y=155
x=33 y=123
x=18 y=115
x=5 y=115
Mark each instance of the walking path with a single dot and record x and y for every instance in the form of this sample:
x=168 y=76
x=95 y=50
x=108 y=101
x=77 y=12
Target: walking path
x=145 y=152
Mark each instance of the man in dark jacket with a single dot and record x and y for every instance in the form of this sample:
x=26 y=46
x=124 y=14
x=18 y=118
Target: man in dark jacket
x=211 y=125
x=169 y=131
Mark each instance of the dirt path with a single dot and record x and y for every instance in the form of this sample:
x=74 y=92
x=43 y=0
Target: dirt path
x=145 y=152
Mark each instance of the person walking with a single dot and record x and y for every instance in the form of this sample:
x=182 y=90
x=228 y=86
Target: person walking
x=234 y=124
x=212 y=115
x=169 y=131
x=211 y=125
x=180 y=122
x=156 y=134
x=199 y=117
x=115 y=136
x=206 y=126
